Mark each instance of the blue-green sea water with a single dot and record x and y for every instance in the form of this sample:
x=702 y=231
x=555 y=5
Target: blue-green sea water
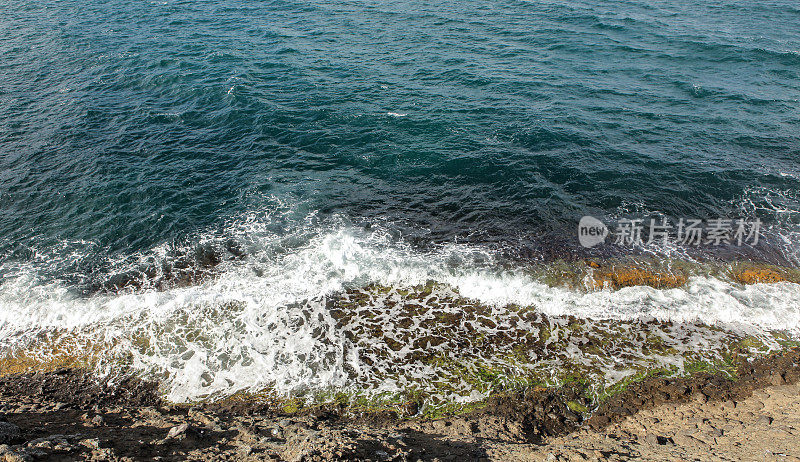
x=160 y=156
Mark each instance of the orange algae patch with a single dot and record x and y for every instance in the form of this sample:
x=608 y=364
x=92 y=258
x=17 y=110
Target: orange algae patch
x=756 y=275
x=49 y=354
x=629 y=276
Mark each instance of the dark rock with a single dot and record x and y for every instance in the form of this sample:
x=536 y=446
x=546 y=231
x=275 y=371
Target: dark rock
x=599 y=421
x=8 y=433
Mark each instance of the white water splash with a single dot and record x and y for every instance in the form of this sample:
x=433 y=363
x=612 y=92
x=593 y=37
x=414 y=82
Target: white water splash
x=263 y=321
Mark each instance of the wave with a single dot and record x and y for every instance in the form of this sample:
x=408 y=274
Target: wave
x=264 y=312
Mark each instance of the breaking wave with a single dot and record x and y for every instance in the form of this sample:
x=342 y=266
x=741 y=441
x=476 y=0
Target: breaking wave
x=336 y=306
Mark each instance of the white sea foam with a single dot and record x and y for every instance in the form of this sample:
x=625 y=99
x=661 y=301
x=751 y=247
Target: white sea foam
x=263 y=321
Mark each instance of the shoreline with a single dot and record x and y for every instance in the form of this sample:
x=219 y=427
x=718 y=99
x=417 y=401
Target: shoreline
x=71 y=415
x=607 y=318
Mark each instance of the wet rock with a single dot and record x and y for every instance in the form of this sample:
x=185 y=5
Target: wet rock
x=137 y=431
x=275 y=431
x=9 y=455
x=104 y=454
x=52 y=443
x=244 y=449
x=78 y=388
x=90 y=443
x=8 y=432
x=599 y=421
x=202 y=418
x=411 y=408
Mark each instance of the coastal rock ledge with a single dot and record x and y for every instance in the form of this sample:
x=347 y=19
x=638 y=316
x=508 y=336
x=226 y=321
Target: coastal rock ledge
x=70 y=415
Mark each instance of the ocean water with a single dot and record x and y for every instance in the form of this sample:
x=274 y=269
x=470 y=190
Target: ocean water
x=208 y=175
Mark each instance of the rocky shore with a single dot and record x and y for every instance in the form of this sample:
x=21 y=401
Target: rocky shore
x=71 y=415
